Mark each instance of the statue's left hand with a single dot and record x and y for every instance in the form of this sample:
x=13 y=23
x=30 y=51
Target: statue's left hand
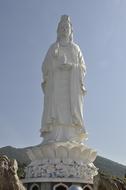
x=66 y=66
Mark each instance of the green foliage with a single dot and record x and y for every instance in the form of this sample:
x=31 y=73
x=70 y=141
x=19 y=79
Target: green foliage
x=109 y=182
x=21 y=170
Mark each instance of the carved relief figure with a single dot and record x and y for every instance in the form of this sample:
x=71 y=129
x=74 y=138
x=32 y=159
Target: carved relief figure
x=63 y=86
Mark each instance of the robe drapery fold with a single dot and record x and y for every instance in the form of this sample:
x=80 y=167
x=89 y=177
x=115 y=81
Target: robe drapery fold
x=63 y=85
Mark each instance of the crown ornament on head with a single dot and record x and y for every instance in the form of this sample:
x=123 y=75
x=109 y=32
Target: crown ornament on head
x=65 y=18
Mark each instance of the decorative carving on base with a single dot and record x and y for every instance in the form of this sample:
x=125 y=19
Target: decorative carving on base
x=62 y=160
x=58 y=168
x=63 y=150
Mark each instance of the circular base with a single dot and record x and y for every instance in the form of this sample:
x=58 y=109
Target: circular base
x=62 y=160
x=63 y=150
x=73 y=180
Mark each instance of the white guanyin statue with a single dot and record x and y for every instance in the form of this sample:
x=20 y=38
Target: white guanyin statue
x=62 y=156
x=63 y=86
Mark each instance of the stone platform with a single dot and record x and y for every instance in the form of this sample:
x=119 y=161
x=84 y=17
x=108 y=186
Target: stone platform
x=61 y=162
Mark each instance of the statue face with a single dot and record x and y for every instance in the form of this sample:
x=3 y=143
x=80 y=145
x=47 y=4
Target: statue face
x=64 y=29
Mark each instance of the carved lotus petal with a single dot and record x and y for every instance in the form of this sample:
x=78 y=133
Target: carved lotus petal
x=75 y=153
x=86 y=155
x=38 y=153
x=61 y=152
x=93 y=155
x=35 y=154
x=46 y=151
x=49 y=151
x=31 y=155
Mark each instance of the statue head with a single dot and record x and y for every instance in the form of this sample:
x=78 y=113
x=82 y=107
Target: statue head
x=65 y=29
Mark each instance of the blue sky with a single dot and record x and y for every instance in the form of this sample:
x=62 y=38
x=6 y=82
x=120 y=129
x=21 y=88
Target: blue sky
x=27 y=29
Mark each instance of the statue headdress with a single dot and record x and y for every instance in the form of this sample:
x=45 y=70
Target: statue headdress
x=64 y=19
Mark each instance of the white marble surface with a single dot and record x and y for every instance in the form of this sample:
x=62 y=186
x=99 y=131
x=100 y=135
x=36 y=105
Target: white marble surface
x=60 y=168
x=63 y=154
x=40 y=179
x=63 y=150
x=69 y=160
x=63 y=86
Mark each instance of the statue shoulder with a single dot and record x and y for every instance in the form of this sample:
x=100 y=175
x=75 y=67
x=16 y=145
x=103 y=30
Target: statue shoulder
x=53 y=46
x=75 y=47
x=51 y=50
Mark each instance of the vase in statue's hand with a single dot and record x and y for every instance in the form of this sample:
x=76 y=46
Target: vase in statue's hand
x=63 y=63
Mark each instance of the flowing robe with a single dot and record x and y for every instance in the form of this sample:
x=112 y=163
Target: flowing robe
x=63 y=75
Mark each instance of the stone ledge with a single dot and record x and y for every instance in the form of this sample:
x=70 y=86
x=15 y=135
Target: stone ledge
x=35 y=180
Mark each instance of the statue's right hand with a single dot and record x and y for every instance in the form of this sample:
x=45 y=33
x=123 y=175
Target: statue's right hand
x=62 y=59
